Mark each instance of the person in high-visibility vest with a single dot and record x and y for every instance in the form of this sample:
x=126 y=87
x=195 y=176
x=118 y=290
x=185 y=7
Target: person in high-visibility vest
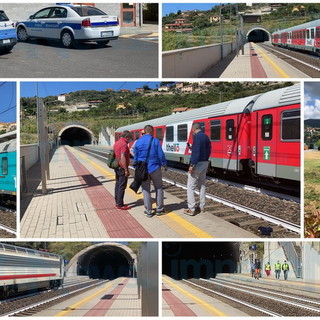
x=285 y=268
x=267 y=269
x=277 y=268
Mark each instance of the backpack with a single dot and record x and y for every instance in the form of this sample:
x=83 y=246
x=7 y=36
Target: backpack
x=112 y=161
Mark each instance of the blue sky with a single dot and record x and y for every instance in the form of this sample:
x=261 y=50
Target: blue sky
x=174 y=7
x=28 y=89
x=8 y=103
x=312 y=100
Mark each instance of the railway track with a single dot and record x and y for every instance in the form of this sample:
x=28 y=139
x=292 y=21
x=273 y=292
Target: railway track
x=8 y=222
x=258 y=302
x=236 y=204
x=306 y=63
x=28 y=305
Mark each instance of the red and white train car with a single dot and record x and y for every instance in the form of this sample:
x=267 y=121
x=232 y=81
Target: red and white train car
x=305 y=36
x=259 y=134
x=23 y=269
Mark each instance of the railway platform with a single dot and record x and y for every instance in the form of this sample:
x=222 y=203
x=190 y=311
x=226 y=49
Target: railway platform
x=80 y=204
x=179 y=299
x=116 y=298
x=256 y=62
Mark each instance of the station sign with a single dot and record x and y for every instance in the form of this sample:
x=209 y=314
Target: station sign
x=252 y=18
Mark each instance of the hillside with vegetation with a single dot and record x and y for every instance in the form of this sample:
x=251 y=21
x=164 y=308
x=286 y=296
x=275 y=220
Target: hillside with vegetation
x=139 y=106
x=205 y=32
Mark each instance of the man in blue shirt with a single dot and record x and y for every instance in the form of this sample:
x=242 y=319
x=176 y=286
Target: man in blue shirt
x=201 y=150
x=155 y=160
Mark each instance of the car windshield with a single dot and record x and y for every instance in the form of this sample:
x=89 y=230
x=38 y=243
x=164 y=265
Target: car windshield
x=3 y=16
x=88 y=11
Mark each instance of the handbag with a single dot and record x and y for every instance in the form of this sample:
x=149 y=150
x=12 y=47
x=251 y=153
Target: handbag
x=141 y=172
x=112 y=161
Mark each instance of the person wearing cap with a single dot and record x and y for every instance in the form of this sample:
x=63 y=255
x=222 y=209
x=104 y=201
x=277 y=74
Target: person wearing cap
x=277 y=268
x=285 y=269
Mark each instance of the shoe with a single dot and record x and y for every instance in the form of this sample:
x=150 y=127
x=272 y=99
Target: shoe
x=202 y=210
x=124 y=207
x=149 y=215
x=160 y=212
x=189 y=212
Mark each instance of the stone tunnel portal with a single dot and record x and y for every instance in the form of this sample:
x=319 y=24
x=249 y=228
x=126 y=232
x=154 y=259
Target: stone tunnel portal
x=76 y=136
x=185 y=260
x=104 y=261
x=258 y=35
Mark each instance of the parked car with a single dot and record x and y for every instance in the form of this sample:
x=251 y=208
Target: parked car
x=8 y=35
x=70 y=24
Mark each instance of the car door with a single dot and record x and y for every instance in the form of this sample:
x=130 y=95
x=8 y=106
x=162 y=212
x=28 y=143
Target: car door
x=37 y=23
x=55 y=22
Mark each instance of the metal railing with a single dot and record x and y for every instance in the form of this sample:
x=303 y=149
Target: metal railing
x=293 y=257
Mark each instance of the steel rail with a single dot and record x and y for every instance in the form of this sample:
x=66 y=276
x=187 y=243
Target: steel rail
x=270 y=313
x=295 y=304
x=8 y=229
x=258 y=214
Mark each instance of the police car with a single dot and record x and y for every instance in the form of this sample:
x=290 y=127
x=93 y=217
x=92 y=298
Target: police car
x=8 y=36
x=70 y=24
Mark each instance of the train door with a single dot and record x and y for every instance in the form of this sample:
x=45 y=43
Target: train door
x=230 y=146
x=289 y=37
x=264 y=150
x=310 y=36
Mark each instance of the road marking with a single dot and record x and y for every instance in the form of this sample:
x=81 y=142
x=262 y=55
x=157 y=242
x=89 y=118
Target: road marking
x=178 y=224
x=76 y=305
x=201 y=302
x=277 y=69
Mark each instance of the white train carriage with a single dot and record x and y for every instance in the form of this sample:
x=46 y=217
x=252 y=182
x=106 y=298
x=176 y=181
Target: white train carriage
x=23 y=269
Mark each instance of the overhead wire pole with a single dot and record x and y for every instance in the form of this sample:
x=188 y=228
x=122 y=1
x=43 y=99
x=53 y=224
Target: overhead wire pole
x=221 y=32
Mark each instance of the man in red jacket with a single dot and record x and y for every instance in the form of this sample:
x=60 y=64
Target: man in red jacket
x=122 y=154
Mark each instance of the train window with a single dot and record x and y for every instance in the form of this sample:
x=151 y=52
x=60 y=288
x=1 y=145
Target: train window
x=21 y=249
x=266 y=128
x=4 y=166
x=215 y=130
x=159 y=134
x=312 y=33
x=318 y=33
x=9 y=248
x=290 y=125
x=230 y=129
x=308 y=34
x=136 y=135
x=182 y=132
x=169 y=134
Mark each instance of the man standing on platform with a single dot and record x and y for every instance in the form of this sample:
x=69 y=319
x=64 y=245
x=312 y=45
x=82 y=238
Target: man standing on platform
x=122 y=154
x=198 y=167
x=285 y=268
x=277 y=268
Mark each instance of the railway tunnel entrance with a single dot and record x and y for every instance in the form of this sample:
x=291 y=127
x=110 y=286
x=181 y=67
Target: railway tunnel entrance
x=185 y=260
x=75 y=135
x=104 y=261
x=258 y=35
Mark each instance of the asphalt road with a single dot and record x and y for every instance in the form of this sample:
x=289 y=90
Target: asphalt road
x=122 y=58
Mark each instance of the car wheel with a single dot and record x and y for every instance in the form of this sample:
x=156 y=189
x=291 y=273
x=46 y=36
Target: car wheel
x=102 y=44
x=22 y=34
x=67 y=39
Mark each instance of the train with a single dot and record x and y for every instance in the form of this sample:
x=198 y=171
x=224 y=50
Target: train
x=8 y=166
x=24 y=269
x=304 y=37
x=256 y=136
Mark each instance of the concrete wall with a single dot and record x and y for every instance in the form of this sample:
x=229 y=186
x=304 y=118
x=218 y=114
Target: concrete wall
x=311 y=263
x=193 y=62
x=22 y=11
x=107 y=137
x=30 y=153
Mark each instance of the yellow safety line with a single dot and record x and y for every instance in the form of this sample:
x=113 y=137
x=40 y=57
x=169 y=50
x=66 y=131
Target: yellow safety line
x=76 y=305
x=202 y=303
x=278 y=70
x=183 y=227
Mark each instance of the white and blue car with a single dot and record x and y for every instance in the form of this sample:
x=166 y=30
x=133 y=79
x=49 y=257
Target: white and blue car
x=70 y=24
x=8 y=35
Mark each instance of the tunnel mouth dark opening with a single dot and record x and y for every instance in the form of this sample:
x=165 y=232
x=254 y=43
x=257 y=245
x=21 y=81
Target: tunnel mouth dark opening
x=186 y=260
x=75 y=136
x=258 y=35
x=104 y=264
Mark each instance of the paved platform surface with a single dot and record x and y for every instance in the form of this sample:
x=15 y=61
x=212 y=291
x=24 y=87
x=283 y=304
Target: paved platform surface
x=255 y=63
x=80 y=204
x=117 y=298
x=179 y=299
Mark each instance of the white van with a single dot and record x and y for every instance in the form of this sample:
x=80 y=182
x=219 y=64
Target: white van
x=8 y=34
